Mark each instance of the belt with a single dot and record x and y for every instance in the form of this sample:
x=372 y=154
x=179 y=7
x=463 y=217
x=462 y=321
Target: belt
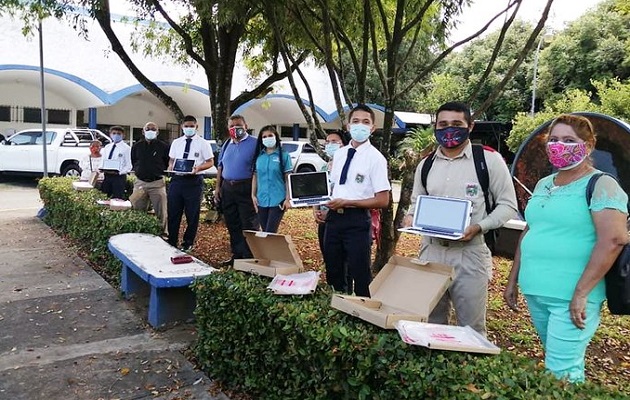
x=232 y=182
x=456 y=243
x=149 y=180
x=351 y=211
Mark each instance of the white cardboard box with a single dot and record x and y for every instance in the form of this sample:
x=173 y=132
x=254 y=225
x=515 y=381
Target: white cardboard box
x=405 y=289
x=274 y=254
x=445 y=337
x=81 y=186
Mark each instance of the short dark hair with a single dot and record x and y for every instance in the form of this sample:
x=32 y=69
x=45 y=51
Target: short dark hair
x=117 y=128
x=362 y=107
x=237 y=116
x=342 y=135
x=189 y=118
x=456 y=106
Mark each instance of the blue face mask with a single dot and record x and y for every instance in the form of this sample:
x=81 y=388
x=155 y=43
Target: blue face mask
x=116 y=137
x=189 y=131
x=359 y=132
x=269 y=142
x=331 y=148
x=451 y=136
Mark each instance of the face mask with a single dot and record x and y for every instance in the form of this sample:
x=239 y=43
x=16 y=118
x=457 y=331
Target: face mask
x=116 y=137
x=566 y=155
x=237 y=132
x=359 y=132
x=150 y=135
x=331 y=148
x=451 y=136
x=269 y=142
x=189 y=131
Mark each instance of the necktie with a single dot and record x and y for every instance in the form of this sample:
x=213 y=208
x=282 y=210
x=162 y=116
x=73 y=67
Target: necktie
x=344 y=171
x=111 y=153
x=187 y=148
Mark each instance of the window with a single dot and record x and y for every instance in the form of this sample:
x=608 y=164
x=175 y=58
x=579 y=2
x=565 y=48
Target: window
x=32 y=114
x=59 y=117
x=5 y=113
x=32 y=138
x=289 y=147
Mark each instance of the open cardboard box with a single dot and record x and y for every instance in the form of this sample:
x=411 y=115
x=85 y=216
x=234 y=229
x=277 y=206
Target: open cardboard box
x=405 y=289
x=274 y=254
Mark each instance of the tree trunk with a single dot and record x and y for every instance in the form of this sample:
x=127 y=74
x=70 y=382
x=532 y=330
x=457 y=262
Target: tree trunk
x=103 y=17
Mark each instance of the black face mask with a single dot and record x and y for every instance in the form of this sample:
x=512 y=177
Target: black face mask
x=451 y=136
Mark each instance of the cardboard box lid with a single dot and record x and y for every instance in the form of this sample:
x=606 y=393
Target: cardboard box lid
x=274 y=247
x=411 y=285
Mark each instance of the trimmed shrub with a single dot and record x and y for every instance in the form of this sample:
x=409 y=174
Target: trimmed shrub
x=88 y=224
x=280 y=347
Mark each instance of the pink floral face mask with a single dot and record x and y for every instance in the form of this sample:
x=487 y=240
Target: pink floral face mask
x=566 y=155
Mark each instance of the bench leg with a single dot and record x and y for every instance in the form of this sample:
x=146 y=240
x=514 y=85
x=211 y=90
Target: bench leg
x=130 y=283
x=170 y=304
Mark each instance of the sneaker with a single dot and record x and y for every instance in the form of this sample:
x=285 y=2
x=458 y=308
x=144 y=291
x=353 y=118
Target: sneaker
x=227 y=263
x=186 y=248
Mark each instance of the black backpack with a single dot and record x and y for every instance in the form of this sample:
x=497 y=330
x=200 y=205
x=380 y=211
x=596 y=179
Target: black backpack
x=618 y=277
x=482 y=176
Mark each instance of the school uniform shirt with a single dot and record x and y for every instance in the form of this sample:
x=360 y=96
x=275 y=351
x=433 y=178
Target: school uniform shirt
x=200 y=150
x=122 y=153
x=270 y=183
x=367 y=174
x=457 y=177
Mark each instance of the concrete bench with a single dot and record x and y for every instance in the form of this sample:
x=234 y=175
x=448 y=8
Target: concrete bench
x=147 y=263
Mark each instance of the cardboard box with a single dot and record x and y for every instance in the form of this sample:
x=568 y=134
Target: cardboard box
x=445 y=337
x=405 y=289
x=81 y=186
x=509 y=235
x=275 y=254
x=119 y=205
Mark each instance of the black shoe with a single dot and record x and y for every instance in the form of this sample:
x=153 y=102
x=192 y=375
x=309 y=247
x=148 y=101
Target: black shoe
x=227 y=263
x=186 y=248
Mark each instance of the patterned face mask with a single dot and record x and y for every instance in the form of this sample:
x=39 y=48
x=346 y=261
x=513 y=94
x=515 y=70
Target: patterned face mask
x=451 y=136
x=566 y=155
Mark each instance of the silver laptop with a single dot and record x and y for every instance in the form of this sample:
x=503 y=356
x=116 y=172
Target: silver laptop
x=182 y=166
x=309 y=189
x=111 y=165
x=441 y=217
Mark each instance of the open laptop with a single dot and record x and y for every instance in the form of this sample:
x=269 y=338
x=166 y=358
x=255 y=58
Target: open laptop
x=309 y=189
x=110 y=165
x=182 y=166
x=441 y=217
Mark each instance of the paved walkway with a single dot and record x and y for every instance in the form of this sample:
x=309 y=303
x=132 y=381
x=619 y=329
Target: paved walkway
x=65 y=333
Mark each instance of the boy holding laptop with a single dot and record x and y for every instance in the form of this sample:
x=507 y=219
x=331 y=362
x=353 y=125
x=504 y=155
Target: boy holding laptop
x=115 y=164
x=185 y=189
x=359 y=179
x=453 y=174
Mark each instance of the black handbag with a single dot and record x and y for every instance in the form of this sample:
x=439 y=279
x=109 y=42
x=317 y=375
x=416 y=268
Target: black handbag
x=618 y=277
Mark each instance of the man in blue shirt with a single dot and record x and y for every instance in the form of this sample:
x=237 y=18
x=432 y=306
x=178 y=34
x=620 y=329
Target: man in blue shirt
x=234 y=183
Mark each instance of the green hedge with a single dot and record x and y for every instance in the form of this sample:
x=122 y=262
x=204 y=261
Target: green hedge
x=276 y=347
x=88 y=224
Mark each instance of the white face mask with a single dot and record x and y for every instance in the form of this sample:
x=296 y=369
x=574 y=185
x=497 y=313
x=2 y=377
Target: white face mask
x=150 y=134
x=269 y=142
x=189 y=131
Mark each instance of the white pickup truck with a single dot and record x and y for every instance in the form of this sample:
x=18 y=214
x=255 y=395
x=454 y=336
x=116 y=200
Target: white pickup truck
x=23 y=152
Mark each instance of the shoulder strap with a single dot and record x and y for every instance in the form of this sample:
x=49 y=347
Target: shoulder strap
x=483 y=177
x=590 y=186
x=426 y=167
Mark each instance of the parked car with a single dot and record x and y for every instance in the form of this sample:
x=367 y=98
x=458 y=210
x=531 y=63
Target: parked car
x=22 y=153
x=303 y=156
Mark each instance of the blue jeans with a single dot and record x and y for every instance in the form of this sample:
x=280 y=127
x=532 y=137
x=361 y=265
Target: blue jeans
x=564 y=343
x=269 y=218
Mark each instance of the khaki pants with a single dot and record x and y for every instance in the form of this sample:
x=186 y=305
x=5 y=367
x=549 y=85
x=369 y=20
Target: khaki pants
x=155 y=191
x=468 y=292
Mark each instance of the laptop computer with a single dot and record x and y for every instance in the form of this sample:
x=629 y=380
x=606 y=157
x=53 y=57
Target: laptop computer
x=182 y=166
x=309 y=189
x=441 y=217
x=110 y=165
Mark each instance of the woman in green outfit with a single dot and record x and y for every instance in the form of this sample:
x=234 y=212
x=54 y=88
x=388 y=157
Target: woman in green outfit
x=568 y=247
